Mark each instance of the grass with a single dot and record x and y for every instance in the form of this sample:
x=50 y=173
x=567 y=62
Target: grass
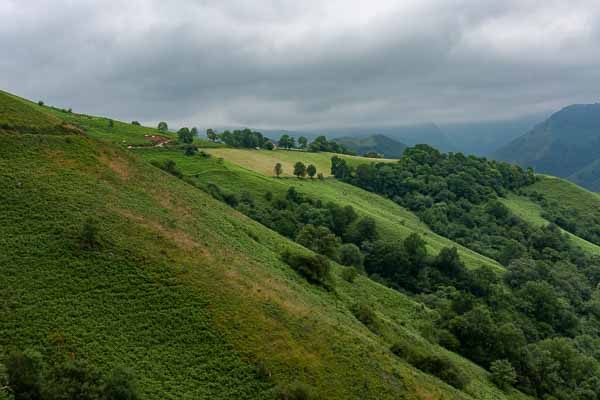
x=263 y=161
x=394 y=222
x=531 y=212
x=184 y=290
x=17 y=114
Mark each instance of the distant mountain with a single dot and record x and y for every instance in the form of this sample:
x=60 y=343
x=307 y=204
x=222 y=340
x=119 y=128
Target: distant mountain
x=567 y=145
x=485 y=137
x=428 y=133
x=381 y=144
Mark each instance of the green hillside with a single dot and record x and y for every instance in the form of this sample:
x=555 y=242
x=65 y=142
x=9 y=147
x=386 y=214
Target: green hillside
x=187 y=292
x=248 y=170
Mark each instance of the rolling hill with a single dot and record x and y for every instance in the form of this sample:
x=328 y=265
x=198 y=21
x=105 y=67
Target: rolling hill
x=380 y=144
x=122 y=252
x=566 y=145
x=188 y=293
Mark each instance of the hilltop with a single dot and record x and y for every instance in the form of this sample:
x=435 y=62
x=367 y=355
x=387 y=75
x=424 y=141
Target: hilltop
x=566 y=145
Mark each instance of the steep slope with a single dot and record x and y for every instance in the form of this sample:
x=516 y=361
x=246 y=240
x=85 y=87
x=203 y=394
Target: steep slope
x=190 y=294
x=375 y=143
x=566 y=144
x=245 y=172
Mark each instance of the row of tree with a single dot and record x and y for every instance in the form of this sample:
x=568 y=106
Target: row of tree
x=300 y=170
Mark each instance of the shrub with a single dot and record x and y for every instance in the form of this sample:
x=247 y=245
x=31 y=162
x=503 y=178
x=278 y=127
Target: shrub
x=350 y=255
x=40 y=103
x=365 y=314
x=168 y=166
x=349 y=274
x=121 y=386
x=315 y=268
x=190 y=150
x=24 y=371
x=135 y=123
x=320 y=176
x=503 y=374
x=434 y=364
x=111 y=123
x=89 y=235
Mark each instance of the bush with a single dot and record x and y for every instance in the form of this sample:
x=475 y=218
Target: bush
x=190 y=150
x=350 y=255
x=40 y=103
x=434 y=364
x=24 y=371
x=135 y=123
x=503 y=374
x=89 y=235
x=121 y=386
x=365 y=314
x=315 y=268
x=349 y=274
x=295 y=391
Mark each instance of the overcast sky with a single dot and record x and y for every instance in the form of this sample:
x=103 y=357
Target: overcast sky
x=302 y=63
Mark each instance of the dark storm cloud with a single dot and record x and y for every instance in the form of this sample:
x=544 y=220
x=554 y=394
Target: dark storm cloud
x=301 y=64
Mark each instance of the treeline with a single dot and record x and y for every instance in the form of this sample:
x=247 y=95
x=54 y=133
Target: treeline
x=249 y=139
x=58 y=375
x=536 y=325
x=319 y=144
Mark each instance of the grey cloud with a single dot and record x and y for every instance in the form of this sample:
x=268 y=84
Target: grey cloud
x=291 y=64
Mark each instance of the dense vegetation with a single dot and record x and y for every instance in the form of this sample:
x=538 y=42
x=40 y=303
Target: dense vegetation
x=539 y=317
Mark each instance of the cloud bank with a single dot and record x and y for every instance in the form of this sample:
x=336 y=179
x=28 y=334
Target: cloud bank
x=302 y=64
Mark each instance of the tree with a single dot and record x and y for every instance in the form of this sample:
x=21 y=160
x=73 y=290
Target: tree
x=285 y=141
x=300 y=169
x=311 y=170
x=319 y=239
x=315 y=268
x=194 y=132
x=40 y=103
x=185 y=135
x=278 y=169
x=350 y=255
x=24 y=372
x=269 y=145
x=364 y=229
x=135 y=123
x=503 y=374
x=111 y=123
x=162 y=126
x=74 y=380
x=211 y=135
x=303 y=142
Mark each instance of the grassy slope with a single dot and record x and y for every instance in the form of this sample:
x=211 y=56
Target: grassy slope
x=263 y=161
x=561 y=190
x=394 y=221
x=184 y=290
